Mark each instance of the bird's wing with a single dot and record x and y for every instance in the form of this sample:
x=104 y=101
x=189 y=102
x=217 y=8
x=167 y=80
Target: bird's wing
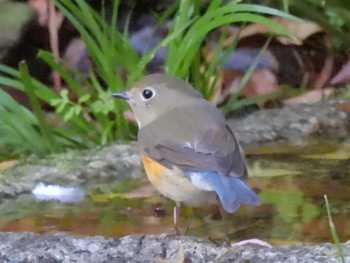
x=214 y=149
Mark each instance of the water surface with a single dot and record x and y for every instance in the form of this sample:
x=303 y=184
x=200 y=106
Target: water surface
x=291 y=181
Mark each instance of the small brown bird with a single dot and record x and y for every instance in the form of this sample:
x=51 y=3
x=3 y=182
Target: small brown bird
x=189 y=153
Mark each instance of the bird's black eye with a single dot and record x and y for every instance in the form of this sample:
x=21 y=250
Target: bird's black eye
x=147 y=94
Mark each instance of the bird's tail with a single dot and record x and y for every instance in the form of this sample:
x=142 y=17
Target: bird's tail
x=231 y=190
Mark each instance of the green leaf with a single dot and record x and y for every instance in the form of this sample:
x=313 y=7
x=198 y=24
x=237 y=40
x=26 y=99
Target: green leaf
x=84 y=98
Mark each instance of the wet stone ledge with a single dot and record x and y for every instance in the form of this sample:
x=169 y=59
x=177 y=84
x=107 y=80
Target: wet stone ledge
x=324 y=119
x=90 y=169
x=28 y=248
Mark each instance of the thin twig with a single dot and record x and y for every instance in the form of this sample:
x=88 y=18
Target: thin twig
x=55 y=21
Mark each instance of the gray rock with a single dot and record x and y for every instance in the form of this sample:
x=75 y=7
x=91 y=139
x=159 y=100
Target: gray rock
x=28 y=247
x=293 y=123
x=89 y=169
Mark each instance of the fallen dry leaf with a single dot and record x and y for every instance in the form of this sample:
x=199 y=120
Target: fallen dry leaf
x=301 y=30
x=279 y=148
x=42 y=8
x=320 y=227
x=325 y=74
x=103 y=198
x=261 y=82
x=312 y=96
x=253 y=241
x=144 y=191
x=7 y=164
x=343 y=153
x=256 y=169
x=343 y=76
x=227 y=84
x=343 y=106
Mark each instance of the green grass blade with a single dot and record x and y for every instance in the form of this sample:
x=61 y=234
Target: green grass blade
x=68 y=78
x=17 y=127
x=49 y=138
x=11 y=79
x=334 y=232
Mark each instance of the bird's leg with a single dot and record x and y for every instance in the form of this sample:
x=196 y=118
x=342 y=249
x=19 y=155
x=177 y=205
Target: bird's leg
x=176 y=217
x=226 y=241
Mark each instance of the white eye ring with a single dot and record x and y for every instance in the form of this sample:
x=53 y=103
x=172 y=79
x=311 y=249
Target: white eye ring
x=148 y=93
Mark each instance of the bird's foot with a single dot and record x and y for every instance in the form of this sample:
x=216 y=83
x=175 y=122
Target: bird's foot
x=178 y=232
x=224 y=243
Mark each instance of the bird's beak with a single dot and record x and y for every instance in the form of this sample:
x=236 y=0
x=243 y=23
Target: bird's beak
x=122 y=95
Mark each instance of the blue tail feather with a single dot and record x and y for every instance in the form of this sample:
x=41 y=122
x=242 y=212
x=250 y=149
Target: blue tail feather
x=231 y=190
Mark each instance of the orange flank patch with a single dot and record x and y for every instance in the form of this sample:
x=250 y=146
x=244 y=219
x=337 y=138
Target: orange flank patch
x=153 y=169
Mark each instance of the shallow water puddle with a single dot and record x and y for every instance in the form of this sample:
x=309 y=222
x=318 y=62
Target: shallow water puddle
x=291 y=181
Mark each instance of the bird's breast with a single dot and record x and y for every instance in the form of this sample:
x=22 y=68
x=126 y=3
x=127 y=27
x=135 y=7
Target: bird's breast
x=173 y=184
